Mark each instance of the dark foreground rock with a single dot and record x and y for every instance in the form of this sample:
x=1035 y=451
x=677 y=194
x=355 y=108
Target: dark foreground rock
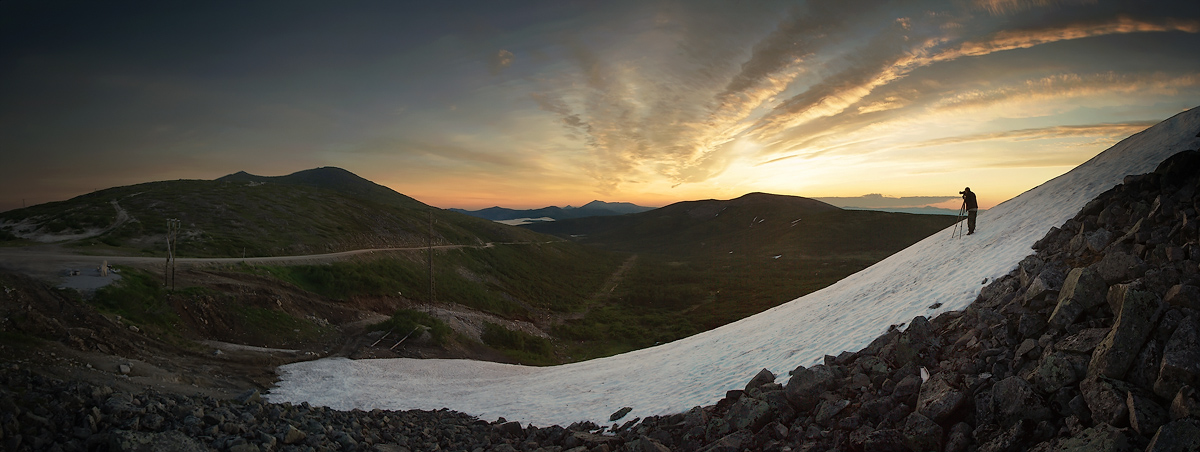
x=1091 y=343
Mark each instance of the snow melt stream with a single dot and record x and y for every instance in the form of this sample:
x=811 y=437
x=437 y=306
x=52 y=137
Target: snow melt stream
x=698 y=370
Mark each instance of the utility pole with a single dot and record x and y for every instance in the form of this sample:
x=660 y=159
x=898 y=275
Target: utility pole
x=430 y=258
x=172 y=244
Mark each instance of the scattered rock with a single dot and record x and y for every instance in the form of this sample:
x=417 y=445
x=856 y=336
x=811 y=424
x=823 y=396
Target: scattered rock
x=761 y=378
x=1133 y=325
x=1185 y=404
x=1181 y=360
x=938 y=398
x=1183 y=434
x=619 y=414
x=1014 y=400
x=807 y=384
x=1081 y=290
x=921 y=433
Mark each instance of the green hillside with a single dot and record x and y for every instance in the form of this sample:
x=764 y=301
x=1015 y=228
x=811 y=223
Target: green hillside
x=756 y=225
x=315 y=211
x=605 y=285
x=703 y=264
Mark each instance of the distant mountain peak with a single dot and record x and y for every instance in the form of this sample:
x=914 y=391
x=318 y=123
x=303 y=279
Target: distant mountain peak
x=332 y=178
x=591 y=209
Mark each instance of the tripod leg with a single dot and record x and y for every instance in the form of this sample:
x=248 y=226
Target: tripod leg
x=958 y=223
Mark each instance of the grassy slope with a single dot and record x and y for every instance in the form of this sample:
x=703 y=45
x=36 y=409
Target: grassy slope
x=707 y=263
x=229 y=218
x=507 y=280
x=701 y=264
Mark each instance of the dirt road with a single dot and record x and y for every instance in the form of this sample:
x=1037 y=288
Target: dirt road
x=52 y=263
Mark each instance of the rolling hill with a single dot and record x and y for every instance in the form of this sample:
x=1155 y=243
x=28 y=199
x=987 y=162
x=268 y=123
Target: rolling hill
x=642 y=278
x=756 y=224
x=592 y=209
x=314 y=211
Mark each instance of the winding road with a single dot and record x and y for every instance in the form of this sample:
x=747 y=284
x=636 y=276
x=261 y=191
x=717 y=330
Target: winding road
x=51 y=262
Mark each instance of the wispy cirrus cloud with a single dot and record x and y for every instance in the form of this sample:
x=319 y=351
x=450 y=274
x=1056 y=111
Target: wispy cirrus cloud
x=879 y=201
x=1067 y=131
x=1003 y=7
x=1026 y=38
x=895 y=53
x=1061 y=86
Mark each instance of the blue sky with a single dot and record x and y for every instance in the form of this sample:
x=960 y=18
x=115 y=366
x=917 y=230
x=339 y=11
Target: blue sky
x=528 y=104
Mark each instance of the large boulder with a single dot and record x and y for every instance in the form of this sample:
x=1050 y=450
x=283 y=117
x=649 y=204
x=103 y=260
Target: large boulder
x=749 y=413
x=1118 y=267
x=1082 y=290
x=1055 y=371
x=1046 y=284
x=1181 y=360
x=1116 y=296
x=131 y=441
x=1144 y=370
x=1185 y=296
x=784 y=412
x=938 y=397
x=914 y=342
x=1145 y=415
x=827 y=409
x=1185 y=404
x=806 y=385
x=1097 y=240
x=1101 y=438
x=1105 y=400
x=1085 y=341
x=1183 y=434
x=1028 y=268
x=959 y=438
x=1180 y=167
x=1129 y=332
x=761 y=378
x=885 y=440
x=921 y=433
x=1013 y=400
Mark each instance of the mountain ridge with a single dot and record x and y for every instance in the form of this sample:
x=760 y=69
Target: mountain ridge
x=756 y=223
x=594 y=208
x=312 y=211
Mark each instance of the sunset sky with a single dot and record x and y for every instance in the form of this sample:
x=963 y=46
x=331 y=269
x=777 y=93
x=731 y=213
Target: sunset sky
x=528 y=104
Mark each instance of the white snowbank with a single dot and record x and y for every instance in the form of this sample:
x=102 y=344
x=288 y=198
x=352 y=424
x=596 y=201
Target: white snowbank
x=698 y=370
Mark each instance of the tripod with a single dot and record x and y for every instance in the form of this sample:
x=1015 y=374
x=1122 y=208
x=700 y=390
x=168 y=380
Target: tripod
x=958 y=225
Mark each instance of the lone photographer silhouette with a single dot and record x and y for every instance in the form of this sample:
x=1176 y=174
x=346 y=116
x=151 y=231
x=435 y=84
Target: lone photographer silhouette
x=972 y=208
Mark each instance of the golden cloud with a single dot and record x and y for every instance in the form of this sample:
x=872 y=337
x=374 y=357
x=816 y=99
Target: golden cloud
x=1042 y=133
x=1021 y=39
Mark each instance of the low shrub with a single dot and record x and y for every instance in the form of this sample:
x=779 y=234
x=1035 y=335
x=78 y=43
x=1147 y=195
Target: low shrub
x=524 y=347
x=407 y=320
x=140 y=298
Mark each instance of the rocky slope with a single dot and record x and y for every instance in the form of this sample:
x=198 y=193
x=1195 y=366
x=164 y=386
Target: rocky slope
x=1090 y=344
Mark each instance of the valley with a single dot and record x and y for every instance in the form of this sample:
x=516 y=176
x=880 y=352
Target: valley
x=323 y=263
